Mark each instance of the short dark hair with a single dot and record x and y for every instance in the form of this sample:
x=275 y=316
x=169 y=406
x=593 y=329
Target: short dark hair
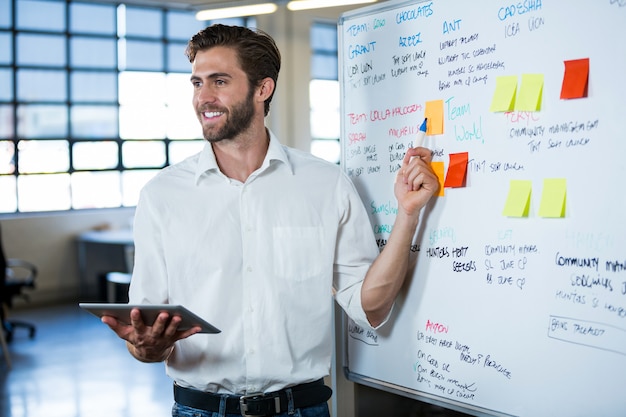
x=257 y=52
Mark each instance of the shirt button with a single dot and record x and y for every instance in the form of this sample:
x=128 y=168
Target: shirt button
x=249 y=269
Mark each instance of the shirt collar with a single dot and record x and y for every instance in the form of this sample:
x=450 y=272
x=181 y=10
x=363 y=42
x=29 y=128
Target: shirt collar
x=275 y=152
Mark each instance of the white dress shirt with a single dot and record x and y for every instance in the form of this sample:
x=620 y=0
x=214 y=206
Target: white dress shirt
x=258 y=260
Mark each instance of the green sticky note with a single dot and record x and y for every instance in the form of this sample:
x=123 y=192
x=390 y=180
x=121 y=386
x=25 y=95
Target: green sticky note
x=518 y=201
x=530 y=93
x=504 y=95
x=553 y=198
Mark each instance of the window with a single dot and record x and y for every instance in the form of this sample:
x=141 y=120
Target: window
x=94 y=101
x=324 y=93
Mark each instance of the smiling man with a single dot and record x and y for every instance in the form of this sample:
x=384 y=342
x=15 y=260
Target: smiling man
x=256 y=237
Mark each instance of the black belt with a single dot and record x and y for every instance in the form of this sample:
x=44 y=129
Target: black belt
x=269 y=404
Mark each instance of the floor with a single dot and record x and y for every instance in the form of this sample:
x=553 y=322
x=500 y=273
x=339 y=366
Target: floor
x=77 y=367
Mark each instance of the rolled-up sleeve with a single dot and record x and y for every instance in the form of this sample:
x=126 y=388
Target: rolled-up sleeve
x=355 y=251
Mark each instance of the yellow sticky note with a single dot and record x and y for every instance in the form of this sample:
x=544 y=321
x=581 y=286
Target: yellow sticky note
x=504 y=95
x=518 y=201
x=434 y=113
x=530 y=93
x=439 y=171
x=553 y=198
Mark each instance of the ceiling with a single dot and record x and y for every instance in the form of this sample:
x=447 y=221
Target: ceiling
x=197 y=5
x=190 y=4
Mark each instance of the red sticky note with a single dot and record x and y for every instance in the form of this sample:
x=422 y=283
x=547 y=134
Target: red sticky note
x=575 y=79
x=457 y=171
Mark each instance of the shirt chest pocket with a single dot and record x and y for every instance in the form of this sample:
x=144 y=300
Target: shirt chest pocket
x=298 y=252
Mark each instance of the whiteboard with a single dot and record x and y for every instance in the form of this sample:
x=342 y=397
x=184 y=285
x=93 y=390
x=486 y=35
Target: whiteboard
x=505 y=312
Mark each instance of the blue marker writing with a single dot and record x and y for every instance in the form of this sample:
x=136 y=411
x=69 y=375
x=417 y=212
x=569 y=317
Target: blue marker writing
x=421 y=134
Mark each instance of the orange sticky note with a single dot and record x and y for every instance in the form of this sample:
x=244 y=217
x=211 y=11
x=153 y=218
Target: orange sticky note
x=457 y=170
x=530 y=93
x=434 y=114
x=553 y=198
x=504 y=94
x=518 y=201
x=439 y=171
x=575 y=79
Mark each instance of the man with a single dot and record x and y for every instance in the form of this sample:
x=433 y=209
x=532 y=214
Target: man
x=254 y=237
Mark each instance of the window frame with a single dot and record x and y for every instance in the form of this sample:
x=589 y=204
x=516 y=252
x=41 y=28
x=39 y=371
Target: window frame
x=168 y=37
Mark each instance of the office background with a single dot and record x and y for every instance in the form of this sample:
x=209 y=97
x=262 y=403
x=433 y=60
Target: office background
x=80 y=135
x=92 y=103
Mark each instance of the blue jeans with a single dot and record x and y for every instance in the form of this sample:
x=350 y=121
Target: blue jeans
x=319 y=410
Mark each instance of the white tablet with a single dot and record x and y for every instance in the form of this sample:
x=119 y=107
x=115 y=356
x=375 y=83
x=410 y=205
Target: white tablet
x=149 y=313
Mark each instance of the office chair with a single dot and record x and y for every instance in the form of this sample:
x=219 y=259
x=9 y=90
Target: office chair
x=16 y=274
x=119 y=282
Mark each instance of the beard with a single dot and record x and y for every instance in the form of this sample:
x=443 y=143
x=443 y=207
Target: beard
x=238 y=119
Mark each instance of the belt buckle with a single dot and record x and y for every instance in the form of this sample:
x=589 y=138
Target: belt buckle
x=243 y=404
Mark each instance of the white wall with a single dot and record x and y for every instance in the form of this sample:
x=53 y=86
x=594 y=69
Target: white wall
x=49 y=241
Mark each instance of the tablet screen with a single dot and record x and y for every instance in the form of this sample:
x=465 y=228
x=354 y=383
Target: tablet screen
x=149 y=313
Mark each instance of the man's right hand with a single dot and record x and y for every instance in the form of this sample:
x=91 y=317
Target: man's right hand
x=149 y=343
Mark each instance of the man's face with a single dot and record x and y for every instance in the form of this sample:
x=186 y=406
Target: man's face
x=222 y=98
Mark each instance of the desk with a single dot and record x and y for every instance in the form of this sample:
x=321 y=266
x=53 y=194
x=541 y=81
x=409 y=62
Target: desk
x=100 y=252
